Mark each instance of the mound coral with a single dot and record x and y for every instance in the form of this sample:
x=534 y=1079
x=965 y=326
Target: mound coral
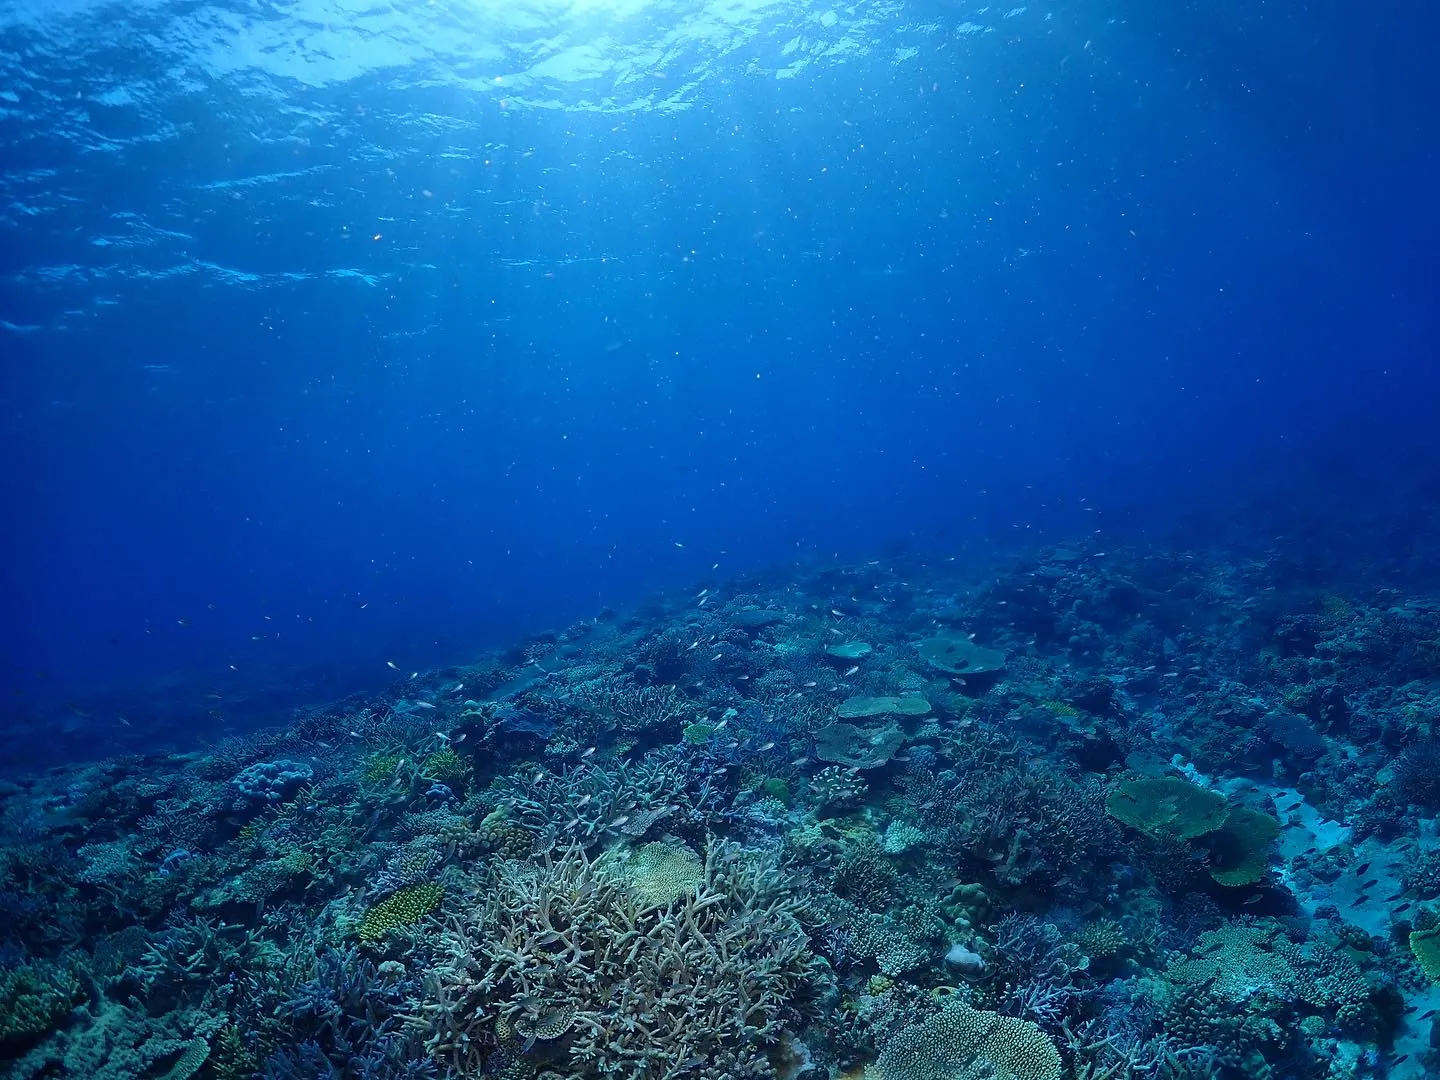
x=562 y=960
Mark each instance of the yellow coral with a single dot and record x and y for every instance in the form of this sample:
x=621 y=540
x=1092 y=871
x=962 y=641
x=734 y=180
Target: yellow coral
x=404 y=907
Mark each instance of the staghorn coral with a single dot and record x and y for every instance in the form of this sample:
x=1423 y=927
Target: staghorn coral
x=559 y=958
x=590 y=803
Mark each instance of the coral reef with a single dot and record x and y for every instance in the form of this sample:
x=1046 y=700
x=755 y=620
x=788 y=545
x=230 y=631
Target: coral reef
x=565 y=959
x=1168 y=823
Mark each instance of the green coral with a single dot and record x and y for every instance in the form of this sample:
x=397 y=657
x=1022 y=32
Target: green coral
x=404 y=907
x=1103 y=941
x=34 y=997
x=1170 y=809
x=698 y=734
x=1240 y=848
x=380 y=769
x=448 y=767
x=1425 y=946
x=775 y=788
x=1167 y=807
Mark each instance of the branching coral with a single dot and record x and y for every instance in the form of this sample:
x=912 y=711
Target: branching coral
x=588 y=803
x=562 y=960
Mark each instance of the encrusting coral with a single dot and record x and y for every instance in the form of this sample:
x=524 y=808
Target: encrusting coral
x=561 y=959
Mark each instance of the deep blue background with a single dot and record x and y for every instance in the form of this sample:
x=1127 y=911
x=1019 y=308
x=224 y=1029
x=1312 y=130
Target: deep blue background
x=399 y=361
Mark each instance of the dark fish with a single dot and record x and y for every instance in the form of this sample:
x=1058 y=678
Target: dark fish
x=1411 y=1008
x=1401 y=1058
x=1399 y=893
x=1427 y=1014
x=1361 y=868
x=1404 y=907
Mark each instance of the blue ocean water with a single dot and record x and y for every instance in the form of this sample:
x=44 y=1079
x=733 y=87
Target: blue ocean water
x=336 y=334
x=688 y=381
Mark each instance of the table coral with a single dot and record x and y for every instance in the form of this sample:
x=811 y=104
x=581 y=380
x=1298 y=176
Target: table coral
x=962 y=1043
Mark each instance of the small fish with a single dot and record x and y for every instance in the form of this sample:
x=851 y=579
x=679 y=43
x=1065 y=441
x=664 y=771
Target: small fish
x=621 y=820
x=721 y=725
x=837 y=633
x=1361 y=868
x=767 y=746
x=571 y=824
x=538 y=777
x=1401 y=1059
x=800 y=762
x=850 y=671
x=1398 y=893
x=1254 y=899
x=462 y=737
x=811 y=684
x=703 y=592
x=742 y=678
x=678 y=544
x=694 y=644
x=717 y=656
x=423 y=705
x=457 y=688
x=587 y=753
x=703 y=601
x=1404 y=907
x=584 y=802
x=1427 y=1014
x=234 y=668
x=391 y=665
x=356 y=735
x=1372 y=881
